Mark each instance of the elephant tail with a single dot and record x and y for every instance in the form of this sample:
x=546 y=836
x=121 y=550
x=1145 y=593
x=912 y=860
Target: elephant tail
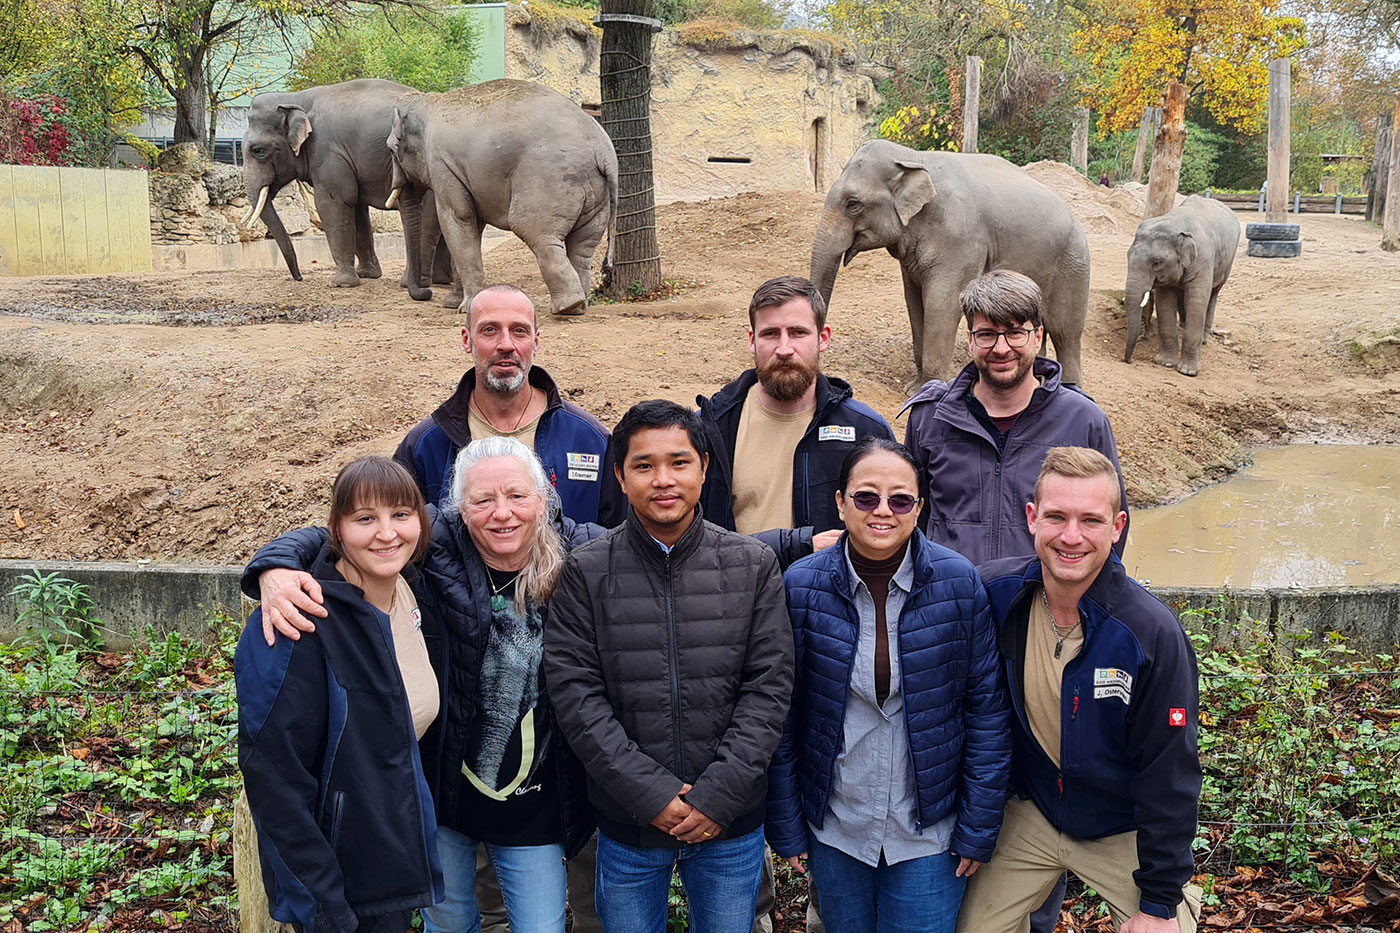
x=609 y=169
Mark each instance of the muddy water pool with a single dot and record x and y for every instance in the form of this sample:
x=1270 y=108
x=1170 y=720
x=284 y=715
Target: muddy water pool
x=1314 y=515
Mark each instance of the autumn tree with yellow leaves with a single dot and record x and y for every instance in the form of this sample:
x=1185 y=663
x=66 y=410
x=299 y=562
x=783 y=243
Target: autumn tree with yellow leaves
x=1219 y=49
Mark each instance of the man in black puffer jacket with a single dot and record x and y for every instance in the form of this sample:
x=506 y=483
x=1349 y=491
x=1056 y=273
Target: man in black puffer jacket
x=669 y=664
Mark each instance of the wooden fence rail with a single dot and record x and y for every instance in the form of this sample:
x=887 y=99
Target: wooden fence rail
x=1297 y=204
x=73 y=220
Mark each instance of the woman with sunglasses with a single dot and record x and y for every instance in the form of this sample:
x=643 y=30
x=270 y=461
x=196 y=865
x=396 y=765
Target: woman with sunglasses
x=893 y=766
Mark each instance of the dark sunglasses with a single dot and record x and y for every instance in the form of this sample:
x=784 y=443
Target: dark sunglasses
x=901 y=503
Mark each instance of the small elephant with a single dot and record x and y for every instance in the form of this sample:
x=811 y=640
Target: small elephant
x=1180 y=260
x=332 y=137
x=948 y=218
x=521 y=157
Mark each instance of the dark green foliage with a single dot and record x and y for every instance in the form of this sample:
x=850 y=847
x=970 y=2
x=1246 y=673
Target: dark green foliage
x=424 y=49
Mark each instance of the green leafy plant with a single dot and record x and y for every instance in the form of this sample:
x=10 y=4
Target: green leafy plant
x=52 y=606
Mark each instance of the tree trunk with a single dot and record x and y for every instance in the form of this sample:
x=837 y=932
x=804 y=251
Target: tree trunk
x=1144 y=134
x=1079 y=145
x=1390 y=224
x=1166 y=152
x=972 y=82
x=625 y=81
x=1276 y=201
x=1380 y=169
x=191 y=102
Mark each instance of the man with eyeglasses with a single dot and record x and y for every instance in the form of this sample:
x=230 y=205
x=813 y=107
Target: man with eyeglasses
x=981 y=439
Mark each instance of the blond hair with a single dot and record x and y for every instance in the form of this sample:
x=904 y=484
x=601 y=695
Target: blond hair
x=1078 y=463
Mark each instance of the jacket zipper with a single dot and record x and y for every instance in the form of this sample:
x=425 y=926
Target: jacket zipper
x=675 y=673
x=908 y=727
x=995 y=543
x=806 y=517
x=337 y=810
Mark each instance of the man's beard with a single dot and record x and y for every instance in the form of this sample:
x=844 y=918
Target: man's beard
x=1024 y=368
x=787 y=380
x=506 y=386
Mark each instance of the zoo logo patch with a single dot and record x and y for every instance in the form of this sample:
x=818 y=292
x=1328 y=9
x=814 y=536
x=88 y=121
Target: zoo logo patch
x=584 y=467
x=836 y=432
x=1176 y=718
x=1112 y=682
x=417 y=619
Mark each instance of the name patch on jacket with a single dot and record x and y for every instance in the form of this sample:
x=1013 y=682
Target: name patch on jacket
x=584 y=467
x=1112 y=682
x=836 y=432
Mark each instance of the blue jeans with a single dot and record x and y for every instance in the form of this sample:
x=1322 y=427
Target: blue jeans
x=532 y=878
x=720 y=880
x=921 y=895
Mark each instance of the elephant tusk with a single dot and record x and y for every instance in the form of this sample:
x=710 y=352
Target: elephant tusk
x=393 y=199
x=1146 y=297
x=256 y=209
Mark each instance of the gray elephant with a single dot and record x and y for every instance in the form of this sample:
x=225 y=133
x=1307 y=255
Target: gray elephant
x=1180 y=260
x=948 y=218
x=521 y=157
x=332 y=137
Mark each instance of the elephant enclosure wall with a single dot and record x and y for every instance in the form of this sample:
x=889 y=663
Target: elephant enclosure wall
x=733 y=110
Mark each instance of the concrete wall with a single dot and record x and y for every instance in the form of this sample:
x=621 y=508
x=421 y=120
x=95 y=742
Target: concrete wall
x=56 y=221
x=172 y=597
x=793 y=104
x=128 y=597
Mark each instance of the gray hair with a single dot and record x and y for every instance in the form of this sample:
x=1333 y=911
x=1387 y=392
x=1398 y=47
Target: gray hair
x=1003 y=297
x=541 y=572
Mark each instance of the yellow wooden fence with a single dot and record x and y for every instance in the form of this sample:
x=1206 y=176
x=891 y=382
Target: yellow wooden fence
x=73 y=220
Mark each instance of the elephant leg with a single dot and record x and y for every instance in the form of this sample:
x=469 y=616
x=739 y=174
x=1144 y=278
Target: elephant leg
x=462 y=230
x=581 y=243
x=1194 y=304
x=1067 y=351
x=434 y=247
x=941 y=314
x=1064 y=311
x=914 y=304
x=442 y=263
x=1168 y=302
x=566 y=295
x=338 y=220
x=1210 y=315
x=368 y=265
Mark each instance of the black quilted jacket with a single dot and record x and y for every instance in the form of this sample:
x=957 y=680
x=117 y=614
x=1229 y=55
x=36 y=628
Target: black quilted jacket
x=670 y=668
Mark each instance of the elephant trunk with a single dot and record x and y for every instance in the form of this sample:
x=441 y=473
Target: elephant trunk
x=1136 y=298
x=411 y=213
x=268 y=215
x=831 y=243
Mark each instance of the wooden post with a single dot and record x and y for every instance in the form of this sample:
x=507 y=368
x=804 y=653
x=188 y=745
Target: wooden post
x=1276 y=204
x=624 y=76
x=1166 y=152
x=1380 y=169
x=1079 y=146
x=1390 y=223
x=1140 y=153
x=972 y=91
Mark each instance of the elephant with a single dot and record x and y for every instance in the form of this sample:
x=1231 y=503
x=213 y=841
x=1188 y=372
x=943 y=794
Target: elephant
x=1180 y=260
x=949 y=217
x=521 y=157
x=332 y=137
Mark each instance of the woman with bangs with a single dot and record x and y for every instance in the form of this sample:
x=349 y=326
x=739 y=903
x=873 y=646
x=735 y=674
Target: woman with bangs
x=328 y=725
x=893 y=765
x=501 y=775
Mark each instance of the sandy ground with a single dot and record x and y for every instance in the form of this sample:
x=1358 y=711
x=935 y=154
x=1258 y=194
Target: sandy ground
x=192 y=416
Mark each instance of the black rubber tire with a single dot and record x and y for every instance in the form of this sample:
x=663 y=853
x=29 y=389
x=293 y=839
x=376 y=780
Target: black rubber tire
x=1263 y=231
x=1275 y=249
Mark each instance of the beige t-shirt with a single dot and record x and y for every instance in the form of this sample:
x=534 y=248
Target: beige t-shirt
x=1044 y=674
x=480 y=427
x=763 y=465
x=419 y=681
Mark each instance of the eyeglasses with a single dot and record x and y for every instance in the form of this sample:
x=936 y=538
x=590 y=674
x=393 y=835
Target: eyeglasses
x=1015 y=339
x=901 y=503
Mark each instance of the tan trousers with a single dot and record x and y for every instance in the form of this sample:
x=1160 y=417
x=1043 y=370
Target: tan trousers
x=1029 y=858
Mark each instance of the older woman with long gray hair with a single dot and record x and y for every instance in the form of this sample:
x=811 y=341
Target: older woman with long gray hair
x=500 y=772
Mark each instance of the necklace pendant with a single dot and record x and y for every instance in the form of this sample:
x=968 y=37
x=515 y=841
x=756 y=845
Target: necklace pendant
x=498 y=604
x=1059 y=645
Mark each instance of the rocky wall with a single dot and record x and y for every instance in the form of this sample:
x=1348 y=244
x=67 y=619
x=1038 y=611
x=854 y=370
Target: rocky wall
x=732 y=109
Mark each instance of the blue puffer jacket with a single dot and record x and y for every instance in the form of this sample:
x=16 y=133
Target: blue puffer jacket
x=955 y=702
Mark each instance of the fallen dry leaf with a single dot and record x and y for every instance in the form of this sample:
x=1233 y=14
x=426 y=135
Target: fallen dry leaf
x=19 y=522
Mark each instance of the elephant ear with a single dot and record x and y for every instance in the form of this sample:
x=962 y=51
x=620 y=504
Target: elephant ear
x=298 y=127
x=913 y=190
x=1186 y=248
x=395 y=132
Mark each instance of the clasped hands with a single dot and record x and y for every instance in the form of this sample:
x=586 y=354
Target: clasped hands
x=683 y=821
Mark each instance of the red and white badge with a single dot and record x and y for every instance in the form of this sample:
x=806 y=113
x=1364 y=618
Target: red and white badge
x=1176 y=717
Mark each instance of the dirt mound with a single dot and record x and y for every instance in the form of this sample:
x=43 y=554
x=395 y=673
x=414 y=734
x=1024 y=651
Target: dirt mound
x=1098 y=209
